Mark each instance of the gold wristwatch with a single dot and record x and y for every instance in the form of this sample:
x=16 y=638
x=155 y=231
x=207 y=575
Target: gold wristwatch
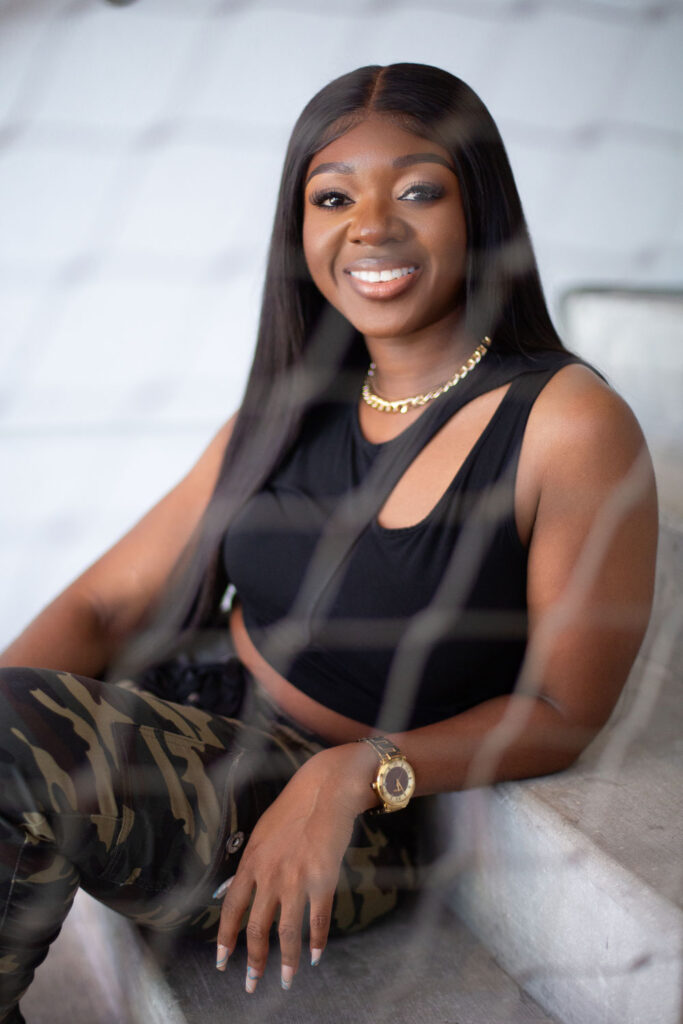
x=395 y=780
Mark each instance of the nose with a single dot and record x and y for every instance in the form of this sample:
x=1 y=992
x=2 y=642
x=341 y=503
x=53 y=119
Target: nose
x=375 y=222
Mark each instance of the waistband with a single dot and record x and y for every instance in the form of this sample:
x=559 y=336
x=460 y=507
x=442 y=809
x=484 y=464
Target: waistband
x=221 y=685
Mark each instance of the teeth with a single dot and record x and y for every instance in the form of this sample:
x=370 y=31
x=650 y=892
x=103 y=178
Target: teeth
x=375 y=276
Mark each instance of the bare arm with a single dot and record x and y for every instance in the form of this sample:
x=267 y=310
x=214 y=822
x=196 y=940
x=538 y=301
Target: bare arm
x=82 y=629
x=587 y=481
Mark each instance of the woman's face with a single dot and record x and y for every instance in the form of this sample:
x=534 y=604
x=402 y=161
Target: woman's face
x=384 y=230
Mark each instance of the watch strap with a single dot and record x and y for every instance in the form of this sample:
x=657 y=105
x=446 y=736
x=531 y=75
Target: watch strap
x=383 y=747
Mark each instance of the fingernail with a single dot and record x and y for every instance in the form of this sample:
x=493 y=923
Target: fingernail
x=222 y=955
x=287 y=977
x=223 y=888
x=252 y=979
x=316 y=954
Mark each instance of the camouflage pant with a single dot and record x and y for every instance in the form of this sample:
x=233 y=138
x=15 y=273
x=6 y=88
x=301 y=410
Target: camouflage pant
x=148 y=805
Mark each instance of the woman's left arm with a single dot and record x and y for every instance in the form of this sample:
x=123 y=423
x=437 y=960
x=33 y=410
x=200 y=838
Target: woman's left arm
x=587 y=497
x=587 y=503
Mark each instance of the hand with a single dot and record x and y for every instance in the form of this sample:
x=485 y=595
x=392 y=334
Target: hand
x=293 y=857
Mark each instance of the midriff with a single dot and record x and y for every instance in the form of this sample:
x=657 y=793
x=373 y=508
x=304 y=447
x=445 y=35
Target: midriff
x=330 y=725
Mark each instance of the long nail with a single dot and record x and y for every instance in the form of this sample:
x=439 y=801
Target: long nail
x=286 y=977
x=222 y=956
x=316 y=954
x=252 y=979
x=223 y=888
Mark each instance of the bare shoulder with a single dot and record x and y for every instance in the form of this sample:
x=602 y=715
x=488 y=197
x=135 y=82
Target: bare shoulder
x=579 y=423
x=205 y=470
x=582 y=440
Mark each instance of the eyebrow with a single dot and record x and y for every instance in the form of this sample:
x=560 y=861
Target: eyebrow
x=401 y=161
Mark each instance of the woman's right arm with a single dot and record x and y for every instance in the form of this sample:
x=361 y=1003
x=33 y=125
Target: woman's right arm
x=84 y=627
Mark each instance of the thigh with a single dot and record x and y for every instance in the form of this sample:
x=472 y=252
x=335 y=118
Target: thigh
x=153 y=802
x=147 y=799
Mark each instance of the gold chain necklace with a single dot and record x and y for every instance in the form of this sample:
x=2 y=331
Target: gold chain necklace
x=372 y=399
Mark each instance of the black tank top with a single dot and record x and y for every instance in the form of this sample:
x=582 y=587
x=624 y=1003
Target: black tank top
x=412 y=627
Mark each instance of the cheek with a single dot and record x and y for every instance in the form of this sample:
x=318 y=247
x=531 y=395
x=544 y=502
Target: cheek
x=318 y=256
x=449 y=270
x=306 y=242
x=453 y=248
x=312 y=251
x=458 y=261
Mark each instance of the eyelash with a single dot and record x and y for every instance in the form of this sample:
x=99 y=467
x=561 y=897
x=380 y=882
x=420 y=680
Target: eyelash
x=320 y=198
x=428 y=193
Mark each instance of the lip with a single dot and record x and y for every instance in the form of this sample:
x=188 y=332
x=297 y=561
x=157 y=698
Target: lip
x=382 y=289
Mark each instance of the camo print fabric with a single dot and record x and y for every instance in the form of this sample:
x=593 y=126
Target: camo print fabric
x=148 y=806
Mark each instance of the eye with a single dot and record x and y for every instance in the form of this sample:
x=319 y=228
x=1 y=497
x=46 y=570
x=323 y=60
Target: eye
x=422 y=192
x=330 y=199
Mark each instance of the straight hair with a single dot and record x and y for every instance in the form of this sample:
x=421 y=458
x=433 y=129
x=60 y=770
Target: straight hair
x=305 y=349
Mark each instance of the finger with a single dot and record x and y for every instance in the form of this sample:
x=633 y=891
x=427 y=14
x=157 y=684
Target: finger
x=222 y=952
x=289 y=934
x=258 y=933
x=235 y=903
x=321 y=916
x=222 y=889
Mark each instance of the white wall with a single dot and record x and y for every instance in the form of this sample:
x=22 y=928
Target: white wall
x=140 y=147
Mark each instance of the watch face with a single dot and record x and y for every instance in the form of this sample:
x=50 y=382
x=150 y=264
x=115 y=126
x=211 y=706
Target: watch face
x=396 y=782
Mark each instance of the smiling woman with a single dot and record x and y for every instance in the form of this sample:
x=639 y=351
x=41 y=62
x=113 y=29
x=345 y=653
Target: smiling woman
x=450 y=585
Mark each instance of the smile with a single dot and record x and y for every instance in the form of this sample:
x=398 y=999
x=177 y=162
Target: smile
x=381 y=282
x=375 y=276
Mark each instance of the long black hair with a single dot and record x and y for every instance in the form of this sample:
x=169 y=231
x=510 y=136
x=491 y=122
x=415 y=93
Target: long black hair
x=303 y=345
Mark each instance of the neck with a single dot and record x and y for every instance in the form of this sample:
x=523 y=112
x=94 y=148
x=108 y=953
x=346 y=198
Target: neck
x=405 y=368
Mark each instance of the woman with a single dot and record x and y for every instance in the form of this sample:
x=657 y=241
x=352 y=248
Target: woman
x=449 y=553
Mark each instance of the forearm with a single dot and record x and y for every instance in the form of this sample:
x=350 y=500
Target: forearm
x=505 y=738
x=69 y=635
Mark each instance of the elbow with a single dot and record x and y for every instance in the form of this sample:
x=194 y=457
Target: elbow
x=566 y=736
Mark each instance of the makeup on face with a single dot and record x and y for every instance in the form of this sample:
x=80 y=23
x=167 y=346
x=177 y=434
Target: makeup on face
x=384 y=229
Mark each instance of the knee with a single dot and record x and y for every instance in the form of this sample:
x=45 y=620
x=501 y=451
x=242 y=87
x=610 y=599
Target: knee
x=18 y=689
x=27 y=728
x=10 y=673
x=17 y=679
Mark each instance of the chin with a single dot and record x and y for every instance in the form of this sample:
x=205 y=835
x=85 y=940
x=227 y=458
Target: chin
x=389 y=324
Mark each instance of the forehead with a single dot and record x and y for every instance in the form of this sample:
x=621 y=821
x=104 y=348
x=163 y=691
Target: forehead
x=376 y=139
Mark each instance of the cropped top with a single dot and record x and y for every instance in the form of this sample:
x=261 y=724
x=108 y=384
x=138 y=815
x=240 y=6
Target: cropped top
x=414 y=624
